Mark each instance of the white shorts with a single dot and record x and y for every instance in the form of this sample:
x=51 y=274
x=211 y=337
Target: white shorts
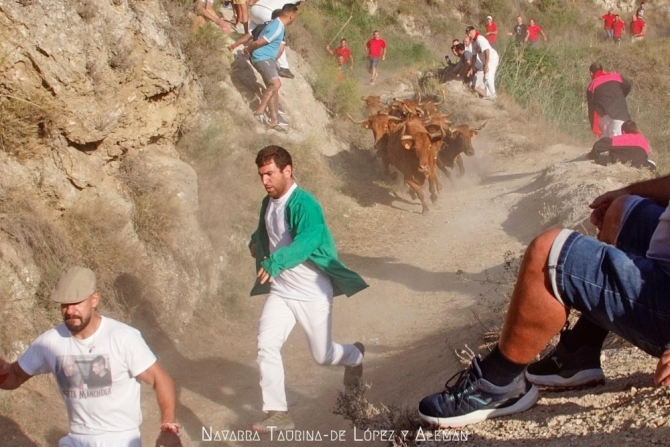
x=129 y=438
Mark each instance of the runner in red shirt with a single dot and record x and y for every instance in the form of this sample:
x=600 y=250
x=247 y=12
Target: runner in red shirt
x=618 y=29
x=376 y=50
x=343 y=56
x=491 y=31
x=608 y=21
x=532 y=32
x=637 y=28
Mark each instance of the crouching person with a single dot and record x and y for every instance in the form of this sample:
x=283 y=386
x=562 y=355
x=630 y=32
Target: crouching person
x=630 y=147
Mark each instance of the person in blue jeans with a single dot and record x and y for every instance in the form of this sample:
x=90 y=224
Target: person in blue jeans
x=620 y=282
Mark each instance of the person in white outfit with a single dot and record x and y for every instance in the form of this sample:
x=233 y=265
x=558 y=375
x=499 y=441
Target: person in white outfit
x=297 y=264
x=489 y=58
x=102 y=411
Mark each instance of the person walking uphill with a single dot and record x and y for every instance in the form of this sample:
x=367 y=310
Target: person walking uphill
x=98 y=363
x=491 y=32
x=608 y=22
x=376 y=50
x=297 y=264
x=264 y=52
x=606 y=99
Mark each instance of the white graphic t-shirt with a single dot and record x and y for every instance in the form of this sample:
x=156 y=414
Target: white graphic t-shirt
x=304 y=282
x=96 y=376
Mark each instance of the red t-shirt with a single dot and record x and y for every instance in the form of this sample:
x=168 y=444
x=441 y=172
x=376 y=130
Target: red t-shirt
x=618 y=27
x=490 y=28
x=533 y=31
x=636 y=26
x=345 y=53
x=375 y=46
x=609 y=20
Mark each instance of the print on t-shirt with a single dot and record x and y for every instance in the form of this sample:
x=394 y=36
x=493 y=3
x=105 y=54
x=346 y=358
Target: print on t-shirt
x=77 y=374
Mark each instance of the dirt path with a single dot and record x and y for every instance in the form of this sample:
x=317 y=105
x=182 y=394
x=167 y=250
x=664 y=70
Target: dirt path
x=427 y=276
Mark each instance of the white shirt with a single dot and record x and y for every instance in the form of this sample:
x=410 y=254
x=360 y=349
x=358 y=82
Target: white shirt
x=480 y=45
x=304 y=282
x=659 y=246
x=96 y=404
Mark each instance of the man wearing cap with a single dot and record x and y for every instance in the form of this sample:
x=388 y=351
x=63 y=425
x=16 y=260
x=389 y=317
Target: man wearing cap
x=491 y=31
x=489 y=57
x=107 y=413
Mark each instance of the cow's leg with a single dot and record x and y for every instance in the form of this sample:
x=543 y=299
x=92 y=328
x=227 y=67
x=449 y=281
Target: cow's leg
x=432 y=187
x=444 y=169
x=461 y=168
x=418 y=190
x=387 y=168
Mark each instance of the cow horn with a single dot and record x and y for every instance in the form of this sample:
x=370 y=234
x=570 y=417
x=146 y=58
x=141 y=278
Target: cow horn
x=436 y=135
x=482 y=126
x=394 y=118
x=407 y=108
x=406 y=137
x=354 y=121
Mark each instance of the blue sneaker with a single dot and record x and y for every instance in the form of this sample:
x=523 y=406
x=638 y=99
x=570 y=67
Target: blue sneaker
x=473 y=399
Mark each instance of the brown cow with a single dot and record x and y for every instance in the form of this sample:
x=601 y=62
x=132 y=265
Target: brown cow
x=411 y=150
x=373 y=104
x=381 y=125
x=459 y=140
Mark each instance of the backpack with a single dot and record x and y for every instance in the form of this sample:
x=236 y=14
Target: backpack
x=256 y=33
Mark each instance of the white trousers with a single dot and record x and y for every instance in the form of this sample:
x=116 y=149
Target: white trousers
x=258 y=15
x=277 y=321
x=489 y=80
x=126 y=439
x=609 y=127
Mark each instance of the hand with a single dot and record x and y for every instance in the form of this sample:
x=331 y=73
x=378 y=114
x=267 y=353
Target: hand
x=168 y=439
x=486 y=68
x=662 y=375
x=264 y=276
x=252 y=249
x=384 y=57
x=470 y=72
x=600 y=206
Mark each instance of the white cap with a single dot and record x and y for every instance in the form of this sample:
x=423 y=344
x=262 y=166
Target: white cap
x=489 y=17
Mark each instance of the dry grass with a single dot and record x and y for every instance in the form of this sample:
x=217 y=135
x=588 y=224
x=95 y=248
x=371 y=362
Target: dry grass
x=25 y=123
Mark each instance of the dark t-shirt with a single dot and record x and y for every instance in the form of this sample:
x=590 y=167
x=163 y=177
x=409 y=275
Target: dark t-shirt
x=520 y=32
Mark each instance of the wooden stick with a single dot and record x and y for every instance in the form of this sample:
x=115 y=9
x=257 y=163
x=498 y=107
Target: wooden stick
x=341 y=29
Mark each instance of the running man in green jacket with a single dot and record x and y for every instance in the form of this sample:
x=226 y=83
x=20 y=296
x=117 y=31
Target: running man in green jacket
x=297 y=264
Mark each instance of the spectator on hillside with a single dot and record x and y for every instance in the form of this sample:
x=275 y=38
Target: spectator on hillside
x=532 y=31
x=456 y=70
x=241 y=14
x=376 y=48
x=608 y=21
x=618 y=29
x=640 y=11
x=475 y=80
x=619 y=282
x=606 y=99
x=206 y=9
x=264 y=52
x=489 y=58
x=638 y=29
x=630 y=147
x=519 y=31
x=491 y=32
x=344 y=58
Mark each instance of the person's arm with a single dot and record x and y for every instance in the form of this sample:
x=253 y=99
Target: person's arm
x=384 y=53
x=625 y=86
x=12 y=375
x=657 y=190
x=351 y=59
x=527 y=35
x=256 y=44
x=309 y=227
x=486 y=60
x=281 y=49
x=329 y=50
x=543 y=35
x=662 y=375
x=600 y=146
x=156 y=377
x=644 y=30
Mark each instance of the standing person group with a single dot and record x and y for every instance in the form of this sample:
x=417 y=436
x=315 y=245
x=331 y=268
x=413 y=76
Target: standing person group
x=343 y=57
x=615 y=27
x=481 y=48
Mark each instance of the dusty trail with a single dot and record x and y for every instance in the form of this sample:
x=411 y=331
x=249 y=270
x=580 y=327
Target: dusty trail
x=426 y=276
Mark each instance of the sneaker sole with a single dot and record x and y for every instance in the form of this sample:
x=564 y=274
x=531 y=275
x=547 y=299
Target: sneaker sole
x=523 y=404
x=353 y=374
x=586 y=377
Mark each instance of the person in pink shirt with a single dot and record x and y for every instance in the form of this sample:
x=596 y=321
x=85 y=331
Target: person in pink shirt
x=629 y=147
x=532 y=33
x=376 y=50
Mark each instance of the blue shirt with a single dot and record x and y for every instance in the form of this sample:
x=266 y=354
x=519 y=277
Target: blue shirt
x=274 y=34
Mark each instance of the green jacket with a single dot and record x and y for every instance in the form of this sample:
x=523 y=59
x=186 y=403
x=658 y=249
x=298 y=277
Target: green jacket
x=312 y=241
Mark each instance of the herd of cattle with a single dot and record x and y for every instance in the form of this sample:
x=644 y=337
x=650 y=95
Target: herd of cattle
x=415 y=137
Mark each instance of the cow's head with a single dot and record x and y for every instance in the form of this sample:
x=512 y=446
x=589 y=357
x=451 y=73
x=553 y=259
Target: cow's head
x=379 y=123
x=461 y=138
x=415 y=137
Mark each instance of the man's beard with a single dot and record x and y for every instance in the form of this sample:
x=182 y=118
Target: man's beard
x=73 y=325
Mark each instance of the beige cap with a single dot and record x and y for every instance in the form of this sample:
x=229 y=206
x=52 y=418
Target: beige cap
x=74 y=285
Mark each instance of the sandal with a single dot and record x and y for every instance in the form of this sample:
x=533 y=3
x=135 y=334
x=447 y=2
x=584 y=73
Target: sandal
x=260 y=118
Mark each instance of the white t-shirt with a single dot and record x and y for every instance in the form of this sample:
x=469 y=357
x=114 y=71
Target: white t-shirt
x=304 y=282
x=659 y=246
x=96 y=376
x=480 y=45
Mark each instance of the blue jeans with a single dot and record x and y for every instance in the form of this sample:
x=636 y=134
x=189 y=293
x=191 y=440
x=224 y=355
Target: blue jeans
x=617 y=287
